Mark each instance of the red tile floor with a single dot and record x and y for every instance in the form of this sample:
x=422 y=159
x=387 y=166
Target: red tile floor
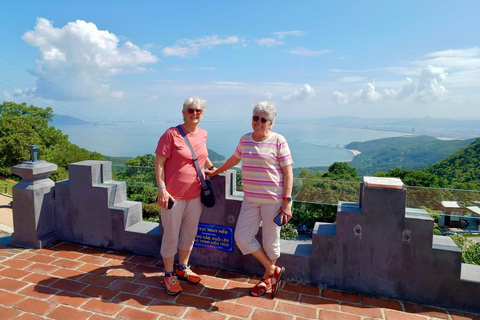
x=72 y=282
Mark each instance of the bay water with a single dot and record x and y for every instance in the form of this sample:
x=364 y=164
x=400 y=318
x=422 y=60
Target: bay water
x=311 y=145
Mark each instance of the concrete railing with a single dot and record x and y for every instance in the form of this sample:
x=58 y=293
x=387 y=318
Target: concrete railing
x=377 y=246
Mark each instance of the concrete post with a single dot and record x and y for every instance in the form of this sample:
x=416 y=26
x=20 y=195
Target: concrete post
x=33 y=205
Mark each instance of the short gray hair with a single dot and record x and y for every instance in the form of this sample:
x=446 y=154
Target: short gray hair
x=195 y=101
x=266 y=107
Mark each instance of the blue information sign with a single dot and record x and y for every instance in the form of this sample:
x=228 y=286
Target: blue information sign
x=214 y=237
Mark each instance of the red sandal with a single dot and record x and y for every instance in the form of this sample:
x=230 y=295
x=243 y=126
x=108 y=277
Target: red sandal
x=261 y=288
x=276 y=279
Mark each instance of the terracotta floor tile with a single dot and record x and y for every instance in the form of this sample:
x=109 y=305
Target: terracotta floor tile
x=167 y=308
x=35 y=305
x=147 y=261
x=37 y=291
x=300 y=288
x=195 y=301
x=12 y=284
x=233 y=309
x=367 y=311
x=66 y=263
x=132 y=300
x=68 y=298
x=8 y=313
x=297 y=309
x=104 y=307
x=41 y=258
x=399 y=315
x=42 y=268
x=426 y=311
x=68 y=285
x=99 y=292
x=8 y=298
x=68 y=313
x=28 y=316
x=14 y=273
x=264 y=302
x=261 y=314
x=340 y=295
x=136 y=314
x=127 y=286
x=17 y=263
x=194 y=314
x=382 y=303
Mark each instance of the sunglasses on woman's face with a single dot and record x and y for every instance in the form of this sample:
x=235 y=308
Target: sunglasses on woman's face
x=199 y=111
x=256 y=118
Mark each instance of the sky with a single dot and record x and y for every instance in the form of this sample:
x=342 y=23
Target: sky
x=131 y=60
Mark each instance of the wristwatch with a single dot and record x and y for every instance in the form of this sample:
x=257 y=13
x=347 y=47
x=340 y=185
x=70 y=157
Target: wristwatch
x=289 y=199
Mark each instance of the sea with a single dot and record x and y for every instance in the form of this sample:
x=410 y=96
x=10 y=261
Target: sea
x=311 y=145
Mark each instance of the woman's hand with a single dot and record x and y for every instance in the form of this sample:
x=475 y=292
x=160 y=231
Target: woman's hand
x=212 y=172
x=163 y=197
x=286 y=212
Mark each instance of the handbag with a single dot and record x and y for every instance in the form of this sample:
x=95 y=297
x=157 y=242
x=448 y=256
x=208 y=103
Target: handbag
x=207 y=195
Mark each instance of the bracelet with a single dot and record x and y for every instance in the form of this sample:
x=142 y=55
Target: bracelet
x=211 y=167
x=161 y=187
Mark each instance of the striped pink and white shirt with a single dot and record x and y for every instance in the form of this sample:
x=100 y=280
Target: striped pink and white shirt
x=262 y=164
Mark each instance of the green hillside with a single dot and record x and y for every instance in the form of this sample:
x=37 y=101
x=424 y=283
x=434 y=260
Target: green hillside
x=461 y=167
x=412 y=153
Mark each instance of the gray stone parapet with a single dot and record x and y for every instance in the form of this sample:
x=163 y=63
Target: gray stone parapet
x=33 y=205
x=380 y=247
x=377 y=246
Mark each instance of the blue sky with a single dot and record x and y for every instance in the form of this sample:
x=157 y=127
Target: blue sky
x=124 y=60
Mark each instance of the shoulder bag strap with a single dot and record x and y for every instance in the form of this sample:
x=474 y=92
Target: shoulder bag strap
x=199 y=171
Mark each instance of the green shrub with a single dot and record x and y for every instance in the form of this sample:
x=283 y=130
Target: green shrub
x=288 y=232
x=151 y=211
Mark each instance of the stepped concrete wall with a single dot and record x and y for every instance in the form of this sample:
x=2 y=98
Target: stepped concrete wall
x=377 y=246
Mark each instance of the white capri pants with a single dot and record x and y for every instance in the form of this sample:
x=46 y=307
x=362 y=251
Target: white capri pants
x=248 y=225
x=180 y=225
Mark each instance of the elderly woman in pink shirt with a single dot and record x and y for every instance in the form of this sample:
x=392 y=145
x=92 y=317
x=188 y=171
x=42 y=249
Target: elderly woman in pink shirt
x=179 y=192
x=267 y=177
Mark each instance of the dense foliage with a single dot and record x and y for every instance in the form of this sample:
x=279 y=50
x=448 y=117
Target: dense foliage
x=461 y=169
x=22 y=126
x=413 y=153
x=470 y=250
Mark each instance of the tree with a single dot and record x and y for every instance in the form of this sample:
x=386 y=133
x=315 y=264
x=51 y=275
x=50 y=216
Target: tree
x=22 y=126
x=341 y=171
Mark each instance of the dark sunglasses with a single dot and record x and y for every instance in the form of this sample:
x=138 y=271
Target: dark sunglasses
x=195 y=110
x=256 y=118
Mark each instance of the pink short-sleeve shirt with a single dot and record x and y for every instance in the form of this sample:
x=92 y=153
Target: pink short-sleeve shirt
x=181 y=177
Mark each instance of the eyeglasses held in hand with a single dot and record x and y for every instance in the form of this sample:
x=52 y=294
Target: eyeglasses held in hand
x=199 y=111
x=256 y=118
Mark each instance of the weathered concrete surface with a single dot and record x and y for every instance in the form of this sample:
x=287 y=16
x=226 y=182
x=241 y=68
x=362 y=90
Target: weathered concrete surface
x=379 y=247
x=34 y=205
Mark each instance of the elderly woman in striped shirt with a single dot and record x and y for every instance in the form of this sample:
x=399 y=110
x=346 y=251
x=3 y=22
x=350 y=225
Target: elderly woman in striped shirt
x=267 y=177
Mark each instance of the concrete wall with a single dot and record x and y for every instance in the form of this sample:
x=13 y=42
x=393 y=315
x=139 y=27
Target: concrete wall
x=377 y=246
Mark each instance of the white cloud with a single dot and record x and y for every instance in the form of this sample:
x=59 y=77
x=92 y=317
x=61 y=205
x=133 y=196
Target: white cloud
x=268 y=95
x=429 y=85
x=304 y=93
x=407 y=90
x=77 y=60
x=269 y=42
x=339 y=98
x=282 y=34
x=368 y=94
x=189 y=48
x=306 y=52
x=389 y=93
